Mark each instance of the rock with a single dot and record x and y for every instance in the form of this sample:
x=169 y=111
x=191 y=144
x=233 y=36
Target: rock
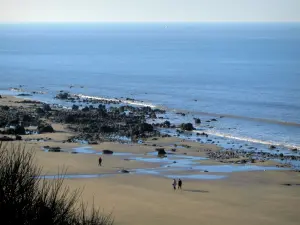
x=107 y=129
x=40 y=111
x=174 y=162
x=46 y=107
x=214 y=120
x=5 y=138
x=272 y=147
x=45 y=128
x=18 y=138
x=153 y=115
x=75 y=107
x=252 y=160
x=27 y=118
x=167 y=124
x=124 y=171
x=180 y=113
x=20 y=130
x=63 y=95
x=85 y=109
x=173 y=149
x=24 y=95
x=53 y=149
x=5 y=107
x=197 y=120
x=69 y=118
x=145 y=127
x=187 y=126
x=160 y=151
x=107 y=152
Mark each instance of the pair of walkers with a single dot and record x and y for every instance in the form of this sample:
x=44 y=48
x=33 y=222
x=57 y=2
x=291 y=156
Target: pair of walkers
x=174 y=184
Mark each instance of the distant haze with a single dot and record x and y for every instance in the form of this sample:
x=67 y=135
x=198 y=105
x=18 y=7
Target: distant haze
x=149 y=10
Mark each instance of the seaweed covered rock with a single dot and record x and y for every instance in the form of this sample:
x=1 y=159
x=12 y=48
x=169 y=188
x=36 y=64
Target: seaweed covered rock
x=27 y=118
x=45 y=128
x=75 y=107
x=62 y=95
x=20 y=130
x=187 y=126
x=5 y=108
x=125 y=171
x=167 y=124
x=161 y=151
x=197 y=120
x=107 y=152
x=46 y=107
x=145 y=127
x=5 y=138
x=40 y=111
x=18 y=138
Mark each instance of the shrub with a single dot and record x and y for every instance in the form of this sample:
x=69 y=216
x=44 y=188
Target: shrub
x=26 y=198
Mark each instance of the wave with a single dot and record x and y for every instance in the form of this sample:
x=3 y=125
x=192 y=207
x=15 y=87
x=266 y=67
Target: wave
x=248 y=139
x=124 y=101
x=220 y=115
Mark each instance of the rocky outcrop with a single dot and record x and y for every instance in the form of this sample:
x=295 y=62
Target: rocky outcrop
x=107 y=152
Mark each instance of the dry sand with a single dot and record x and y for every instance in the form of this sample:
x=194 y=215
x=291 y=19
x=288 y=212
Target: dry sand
x=242 y=198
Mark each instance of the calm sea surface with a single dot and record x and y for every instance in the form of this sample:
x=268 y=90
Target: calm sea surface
x=250 y=73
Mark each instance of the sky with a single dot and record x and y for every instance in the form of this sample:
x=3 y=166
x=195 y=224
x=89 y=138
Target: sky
x=149 y=11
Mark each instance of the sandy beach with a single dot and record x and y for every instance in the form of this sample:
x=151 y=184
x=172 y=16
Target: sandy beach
x=251 y=197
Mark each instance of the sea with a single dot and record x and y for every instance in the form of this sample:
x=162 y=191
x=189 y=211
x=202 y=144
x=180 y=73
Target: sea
x=246 y=76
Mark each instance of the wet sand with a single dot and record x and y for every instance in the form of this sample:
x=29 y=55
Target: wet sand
x=257 y=197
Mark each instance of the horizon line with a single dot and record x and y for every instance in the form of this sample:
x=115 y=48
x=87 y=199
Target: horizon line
x=141 y=22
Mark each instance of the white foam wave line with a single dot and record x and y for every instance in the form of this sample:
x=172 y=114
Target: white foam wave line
x=253 y=140
x=118 y=100
x=16 y=89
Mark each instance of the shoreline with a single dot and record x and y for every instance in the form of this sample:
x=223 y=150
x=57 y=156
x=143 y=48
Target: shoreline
x=223 y=157
x=185 y=116
x=140 y=198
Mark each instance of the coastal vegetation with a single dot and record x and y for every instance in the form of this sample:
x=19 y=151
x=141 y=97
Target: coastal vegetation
x=27 y=198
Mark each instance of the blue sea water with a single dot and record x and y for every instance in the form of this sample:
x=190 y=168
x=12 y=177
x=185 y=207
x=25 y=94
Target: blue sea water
x=248 y=73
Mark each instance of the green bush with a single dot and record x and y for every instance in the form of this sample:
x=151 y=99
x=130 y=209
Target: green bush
x=26 y=198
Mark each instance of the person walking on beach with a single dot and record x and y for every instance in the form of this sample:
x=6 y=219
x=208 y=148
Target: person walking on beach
x=180 y=184
x=174 y=184
x=100 y=161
